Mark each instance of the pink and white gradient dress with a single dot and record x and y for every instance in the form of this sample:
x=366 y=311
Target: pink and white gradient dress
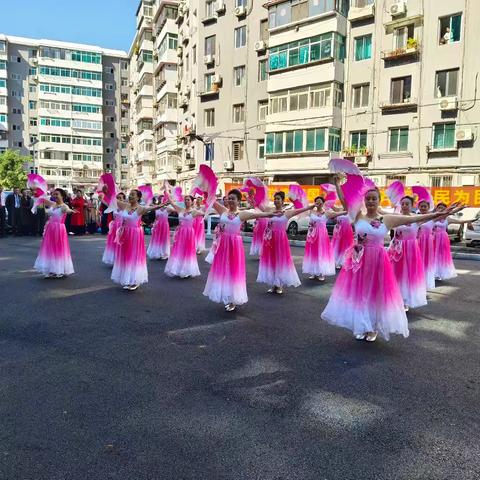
x=407 y=265
x=199 y=228
x=227 y=280
x=318 y=259
x=425 y=242
x=366 y=296
x=159 y=246
x=54 y=255
x=183 y=257
x=444 y=268
x=258 y=233
x=110 y=246
x=342 y=240
x=130 y=267
x=276 y=267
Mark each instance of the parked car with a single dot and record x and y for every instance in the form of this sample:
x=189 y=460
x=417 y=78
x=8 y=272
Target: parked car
x=472 y=232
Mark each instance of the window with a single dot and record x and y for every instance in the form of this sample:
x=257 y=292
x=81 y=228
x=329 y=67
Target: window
x=67 y=72
x=237 y=149
x=109 y=103
x=209 y=82
x=108 y=86
x=32 y=71
x=124 y=160
x=3 y=118
x=33 y=122
x=15 y=76
x=442 y=181
x=210 y=45
x=17 y=110
x=210 y=117
x=210 y=8
x=299 y=99
x=209 y=152
x=194 y=55
x=240 y=3
x=3 y=83
x=443 y=136
x=360 y=95
x=303 y=141
x=124 y=82
x=3 y=46
x=32 y=105
x=3 y=65
x=261 y=149
x=262 y=109
x=395 y=178
x=321 y=47
x=239 y=76
x=169 y=42
x=262 y=70
x=401 y=90
x=32 y=88
x=358 y=140
x=264 y=30
x=450 y=29
x=240 y=35
x=398 y=139
x=239 y=113
x=446 y=82
x=363 y=48
x=108 y=70
x=401 y=36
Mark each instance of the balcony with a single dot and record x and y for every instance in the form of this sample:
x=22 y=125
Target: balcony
x=410 y=52
x=361 y=10
x=408 y=105
x=359 y=156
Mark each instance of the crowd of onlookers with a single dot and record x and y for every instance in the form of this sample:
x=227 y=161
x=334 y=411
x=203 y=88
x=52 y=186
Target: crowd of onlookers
x=17 y=218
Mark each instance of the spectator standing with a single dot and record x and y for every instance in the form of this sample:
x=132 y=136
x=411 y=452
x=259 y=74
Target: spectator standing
x=12 y=204
x=3 y=214
x=77 y=220
x=26 y=215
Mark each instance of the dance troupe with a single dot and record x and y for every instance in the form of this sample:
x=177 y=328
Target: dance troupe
x=375 y=288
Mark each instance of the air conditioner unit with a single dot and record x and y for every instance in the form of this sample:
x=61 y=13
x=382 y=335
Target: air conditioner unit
x=448 y=103
x=228 y=165
x=260 y=46
x=220 y=6
x=217 y=79
x=208 y=59
x=363 y=160
x=398 y=8
x=240 y=11
x=463 y=134
x=179 y=51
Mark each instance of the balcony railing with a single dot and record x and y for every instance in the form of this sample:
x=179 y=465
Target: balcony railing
x=408 y=104
x=411 y=50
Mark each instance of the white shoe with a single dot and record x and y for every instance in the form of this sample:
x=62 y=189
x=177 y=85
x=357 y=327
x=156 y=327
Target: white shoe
x=406 y=308
x=279 y=291
x=360 y=337
x=371 y=336
x=311 y=277
x=271 y=290
x=132 y=288
x=49 y=275
x=321 y=278
x=126 y=287
x=230 y=307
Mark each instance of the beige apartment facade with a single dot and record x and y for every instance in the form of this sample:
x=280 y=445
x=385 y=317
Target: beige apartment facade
x=61 y=103
x=411 y=104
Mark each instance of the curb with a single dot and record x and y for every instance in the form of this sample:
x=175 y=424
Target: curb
x=301 y=243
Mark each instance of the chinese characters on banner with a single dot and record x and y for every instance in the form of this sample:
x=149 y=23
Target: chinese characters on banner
x=448 y=195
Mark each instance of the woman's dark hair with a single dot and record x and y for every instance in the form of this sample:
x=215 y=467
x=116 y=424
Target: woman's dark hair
x=319 y=198
x=424 y=201
x=122 y=194
x=237 y=193
x=376 y=190
x=441 y=204
x=408 y=197
x=78 y=191
x=281 y=195
x=190 y=197
x=138 y=192
x=62 y=193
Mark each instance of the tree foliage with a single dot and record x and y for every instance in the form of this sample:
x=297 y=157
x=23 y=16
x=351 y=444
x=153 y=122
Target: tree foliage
x=12 y=169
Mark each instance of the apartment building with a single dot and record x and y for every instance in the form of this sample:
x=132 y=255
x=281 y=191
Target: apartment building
x=61 y=103
x=222 y=85
x=306 y=76
x=412 y=107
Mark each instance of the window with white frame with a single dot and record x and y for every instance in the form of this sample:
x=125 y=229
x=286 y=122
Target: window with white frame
x=360 y=95
x=401 y=36
x=210 y=8
x=210 y=117
x=262 y=109
x=446 y=83
x=239 y=113
x=441 y=180
x=239 y=76
x=398 y=139
x=240 y=35
x=450 y=29
x=443 y=136
x=401 y=90
x=261 y=149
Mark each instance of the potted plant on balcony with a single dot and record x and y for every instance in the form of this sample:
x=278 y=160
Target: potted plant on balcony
x=412 y=45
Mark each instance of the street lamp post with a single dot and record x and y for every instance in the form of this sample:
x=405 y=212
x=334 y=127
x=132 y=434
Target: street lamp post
x=32 y=146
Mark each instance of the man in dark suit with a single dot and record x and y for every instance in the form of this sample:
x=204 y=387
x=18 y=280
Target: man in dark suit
x=3 y=213
x=13 y=207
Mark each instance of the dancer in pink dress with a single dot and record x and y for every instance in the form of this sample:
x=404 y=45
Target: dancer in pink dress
x=342 y=239
x=199 y=225
x=318 y=260
x=407 y=260
x=444 y=268
x=130 y=267
x=227 y=281
x=425 y=242
x=110 y=246
x=54 y=259
x=276 y=267
x=258 y=234
x=183 y=257
x=366 y=298
x=159 y=247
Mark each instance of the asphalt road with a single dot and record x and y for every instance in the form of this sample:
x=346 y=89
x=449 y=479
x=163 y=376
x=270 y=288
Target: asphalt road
x=100 y=383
